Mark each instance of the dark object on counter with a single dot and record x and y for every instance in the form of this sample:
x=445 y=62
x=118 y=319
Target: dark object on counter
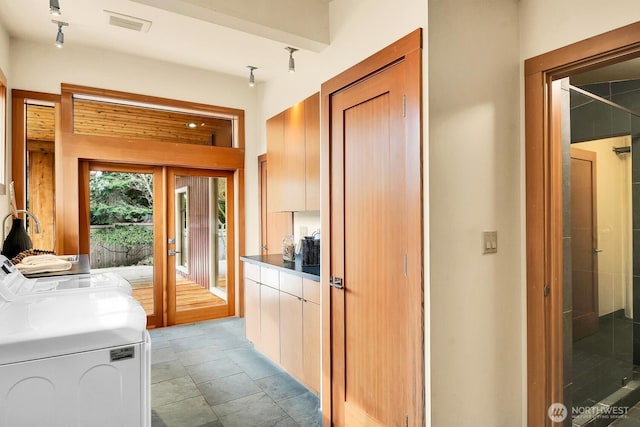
x=310 y=251
x=17 y=240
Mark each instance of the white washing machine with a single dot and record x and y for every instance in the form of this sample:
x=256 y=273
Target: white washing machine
x=73 y=359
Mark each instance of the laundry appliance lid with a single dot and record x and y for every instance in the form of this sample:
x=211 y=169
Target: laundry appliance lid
x=52 y=324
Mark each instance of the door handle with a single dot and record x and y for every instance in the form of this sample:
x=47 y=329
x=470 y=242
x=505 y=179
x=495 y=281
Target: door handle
x=172 y=252
x=596 y=250
x=336 y=282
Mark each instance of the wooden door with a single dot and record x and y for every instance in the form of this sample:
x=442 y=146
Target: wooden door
x=200 y=246
x=375 y=212
x=273 y=225
x=584 y=261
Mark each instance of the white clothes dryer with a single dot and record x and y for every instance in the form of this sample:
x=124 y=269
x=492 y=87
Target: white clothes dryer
x=73 y=359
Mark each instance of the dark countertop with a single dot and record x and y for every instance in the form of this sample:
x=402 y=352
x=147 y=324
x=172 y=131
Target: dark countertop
x=310 y=272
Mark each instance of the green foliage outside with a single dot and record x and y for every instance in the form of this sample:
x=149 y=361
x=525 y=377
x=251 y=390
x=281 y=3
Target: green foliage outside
x=120 y=199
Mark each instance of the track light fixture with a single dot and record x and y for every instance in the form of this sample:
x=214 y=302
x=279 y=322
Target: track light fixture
x=252 y=79
x=54 y=8
x=60 y=35
x=292 y=62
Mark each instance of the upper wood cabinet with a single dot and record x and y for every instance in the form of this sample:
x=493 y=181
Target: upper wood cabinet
x=293 y=154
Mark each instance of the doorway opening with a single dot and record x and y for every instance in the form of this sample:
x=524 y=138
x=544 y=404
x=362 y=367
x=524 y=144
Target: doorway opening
x=132 y=220
x=549 y=233
x=598 y=236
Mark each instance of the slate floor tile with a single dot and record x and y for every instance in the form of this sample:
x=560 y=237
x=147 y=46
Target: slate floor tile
x=281 y=386
x=167 y=371
x=173 y=390
x=189 y=412
x=208 y=375
x=228 y=388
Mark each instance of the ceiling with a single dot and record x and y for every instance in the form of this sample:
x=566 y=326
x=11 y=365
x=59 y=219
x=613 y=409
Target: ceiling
x=218 y=35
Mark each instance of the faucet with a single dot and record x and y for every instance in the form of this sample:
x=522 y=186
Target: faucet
x=24 y=211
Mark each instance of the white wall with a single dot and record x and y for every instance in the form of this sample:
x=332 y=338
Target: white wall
x=546 y=25
x=478 y=371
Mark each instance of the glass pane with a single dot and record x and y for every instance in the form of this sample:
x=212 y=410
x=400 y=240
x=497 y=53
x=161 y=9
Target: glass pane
x=121 y=213
x=201 y=249
x=599 y=228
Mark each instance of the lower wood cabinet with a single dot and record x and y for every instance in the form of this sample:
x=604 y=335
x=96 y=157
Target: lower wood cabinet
x=252 y=310
x=282 y=320
x=270 y=322
x=291 y=334
x=311 y=345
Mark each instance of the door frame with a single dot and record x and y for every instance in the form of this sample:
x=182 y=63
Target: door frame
x=158 y=318
x=543 y=152
x=408 y=48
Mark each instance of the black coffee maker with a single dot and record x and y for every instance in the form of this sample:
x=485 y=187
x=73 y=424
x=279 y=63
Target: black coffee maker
x=311 y=250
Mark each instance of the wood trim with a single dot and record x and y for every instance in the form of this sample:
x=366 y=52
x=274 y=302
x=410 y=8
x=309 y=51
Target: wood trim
x=543 y=163
x=237 y=114
x=407 y=48
x=240 y=226
x=374 y=63
x=18 y=137
x=604 y=49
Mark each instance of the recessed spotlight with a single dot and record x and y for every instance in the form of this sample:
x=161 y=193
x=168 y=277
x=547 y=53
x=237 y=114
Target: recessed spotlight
x=193 y=125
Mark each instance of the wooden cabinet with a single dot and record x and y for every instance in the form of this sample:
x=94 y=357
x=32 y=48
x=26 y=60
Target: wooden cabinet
x=270 y=322
x=312 y=152
x=311 y=345
x=282 y=319
x=252 y=311
x=293 y=154
x=291 y=334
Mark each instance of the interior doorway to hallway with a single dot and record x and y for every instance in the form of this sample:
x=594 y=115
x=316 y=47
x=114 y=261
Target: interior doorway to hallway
x=549 y=271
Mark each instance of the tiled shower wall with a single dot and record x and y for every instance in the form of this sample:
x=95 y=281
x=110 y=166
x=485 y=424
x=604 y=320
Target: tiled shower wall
x=591 y=120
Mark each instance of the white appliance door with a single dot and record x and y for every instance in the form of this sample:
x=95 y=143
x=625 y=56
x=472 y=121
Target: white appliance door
x=95 y=388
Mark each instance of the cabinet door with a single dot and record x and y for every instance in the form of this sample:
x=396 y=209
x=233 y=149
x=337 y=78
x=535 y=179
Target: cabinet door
x=276 y=179
x=312 y=151
x=270 y=322
x=311 y=345
x=252 y=311
x=291 y=334
x=295 y=158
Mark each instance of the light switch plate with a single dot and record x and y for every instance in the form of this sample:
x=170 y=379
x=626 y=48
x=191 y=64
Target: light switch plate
x=489 y=242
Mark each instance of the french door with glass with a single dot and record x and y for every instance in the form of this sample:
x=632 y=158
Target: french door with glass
x=164 y=230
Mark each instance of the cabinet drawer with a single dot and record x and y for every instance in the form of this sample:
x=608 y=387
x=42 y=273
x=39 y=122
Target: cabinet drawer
x=291 y=284
x=311 y=290
x=252 y=271
x=269 y=277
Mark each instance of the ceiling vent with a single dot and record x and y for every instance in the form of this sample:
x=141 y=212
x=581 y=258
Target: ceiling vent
x=128 y=22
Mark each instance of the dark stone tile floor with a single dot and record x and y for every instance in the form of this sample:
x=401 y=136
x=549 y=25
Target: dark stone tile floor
x=208 y=375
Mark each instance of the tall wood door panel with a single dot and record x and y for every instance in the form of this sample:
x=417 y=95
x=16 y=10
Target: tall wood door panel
x=273 y=225
x=376 y=317
x=584 y=261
